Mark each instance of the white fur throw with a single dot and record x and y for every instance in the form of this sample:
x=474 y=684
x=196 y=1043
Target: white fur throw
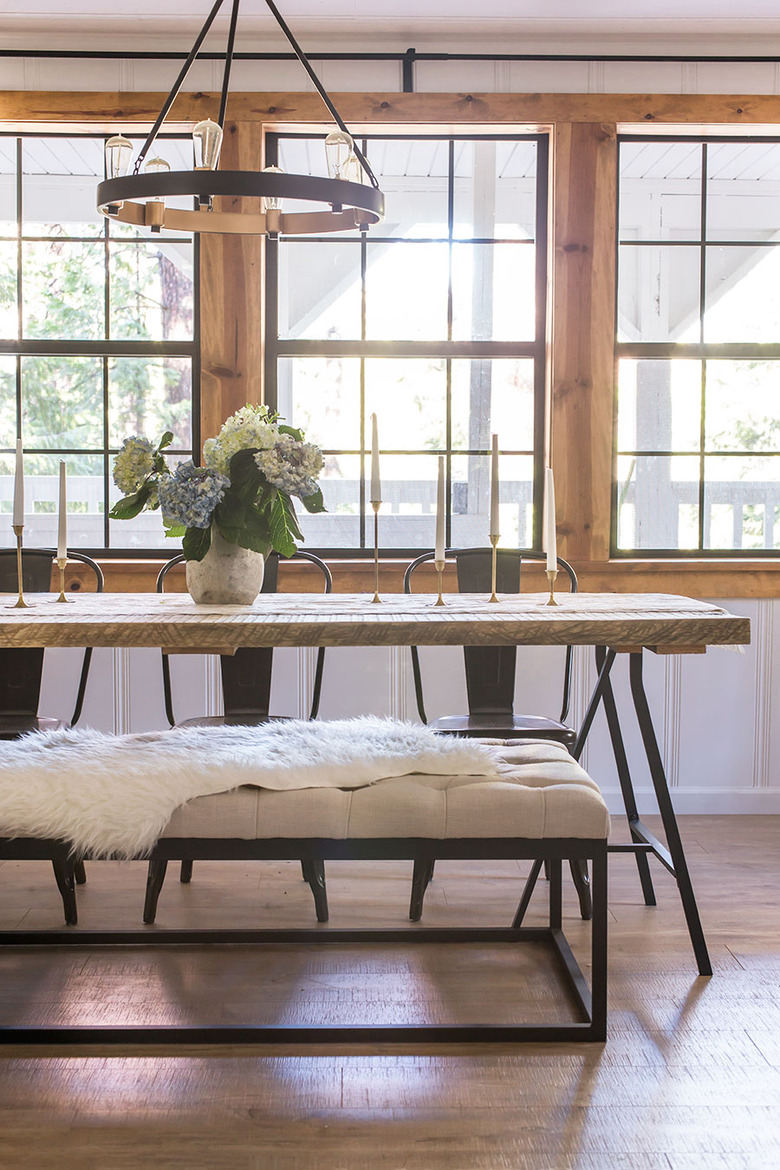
x=114 y=794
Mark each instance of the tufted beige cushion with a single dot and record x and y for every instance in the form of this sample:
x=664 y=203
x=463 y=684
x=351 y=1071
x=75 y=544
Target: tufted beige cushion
x=542 y=792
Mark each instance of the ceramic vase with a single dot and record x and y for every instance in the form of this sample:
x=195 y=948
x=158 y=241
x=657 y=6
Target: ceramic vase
x=227 y=575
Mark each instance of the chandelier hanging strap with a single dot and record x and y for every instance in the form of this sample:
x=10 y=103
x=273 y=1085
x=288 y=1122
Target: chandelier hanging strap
x=228 y=62
x=171 y=98
x=315 y=79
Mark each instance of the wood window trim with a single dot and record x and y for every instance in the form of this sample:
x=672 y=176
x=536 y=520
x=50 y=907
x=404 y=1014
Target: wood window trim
x=583 y=131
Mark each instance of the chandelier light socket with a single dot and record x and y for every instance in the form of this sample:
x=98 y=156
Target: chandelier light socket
x=207 y=143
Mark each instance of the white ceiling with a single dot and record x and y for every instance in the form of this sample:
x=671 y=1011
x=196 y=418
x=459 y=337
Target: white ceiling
x=514 y=25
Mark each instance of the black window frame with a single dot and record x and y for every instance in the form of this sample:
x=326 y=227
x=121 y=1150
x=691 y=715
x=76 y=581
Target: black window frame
x=537 y=349
x=104 y=348
x=701 y=351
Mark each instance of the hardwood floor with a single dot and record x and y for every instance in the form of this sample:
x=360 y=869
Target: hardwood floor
x=689 y=1077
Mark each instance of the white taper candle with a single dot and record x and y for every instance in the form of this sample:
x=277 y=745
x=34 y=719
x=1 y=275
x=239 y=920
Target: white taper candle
x=62 y=528
x=494 y=526
x=376 y=486
x=19 y=487
x=550 y=535
x=440 y=524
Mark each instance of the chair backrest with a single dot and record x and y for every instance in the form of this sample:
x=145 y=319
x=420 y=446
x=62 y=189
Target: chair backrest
x=246 y=675
x=490 y=670
x=21 y=669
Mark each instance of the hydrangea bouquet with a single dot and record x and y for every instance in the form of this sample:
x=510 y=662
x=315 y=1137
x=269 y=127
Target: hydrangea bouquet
x=250 y=472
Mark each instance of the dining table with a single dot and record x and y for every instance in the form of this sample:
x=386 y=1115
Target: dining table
x=614 y=624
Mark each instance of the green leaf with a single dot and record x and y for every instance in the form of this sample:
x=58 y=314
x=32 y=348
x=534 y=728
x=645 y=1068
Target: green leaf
x=130 y=506
x=230 y=514
x=245 y=475
x=284 y=429
x=196 y=543
x=165 y=441
x=284 y=525
x=174 y=530
x=314 y=502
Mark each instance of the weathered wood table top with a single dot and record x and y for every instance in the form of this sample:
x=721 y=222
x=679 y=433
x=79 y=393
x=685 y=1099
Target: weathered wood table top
x=661 y=622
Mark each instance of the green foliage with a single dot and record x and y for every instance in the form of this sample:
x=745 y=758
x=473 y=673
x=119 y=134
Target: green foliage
x=284 y=525
x=196 y=543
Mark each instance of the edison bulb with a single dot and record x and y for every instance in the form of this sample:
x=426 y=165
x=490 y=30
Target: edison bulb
x=119 y=151
x=338 y=148
x=272 y=202
x=207 y=142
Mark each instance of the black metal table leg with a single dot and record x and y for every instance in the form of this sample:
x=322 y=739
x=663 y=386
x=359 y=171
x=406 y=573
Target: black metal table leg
x=624 y=776
x=598 y=693
x=676 y=853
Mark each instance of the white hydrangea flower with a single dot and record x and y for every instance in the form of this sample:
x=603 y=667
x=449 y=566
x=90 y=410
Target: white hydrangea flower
x=291 y=466
x=248 y=427
x=134 y=461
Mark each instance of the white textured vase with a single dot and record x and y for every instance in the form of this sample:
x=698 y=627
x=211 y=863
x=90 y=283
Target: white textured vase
x=227 y=575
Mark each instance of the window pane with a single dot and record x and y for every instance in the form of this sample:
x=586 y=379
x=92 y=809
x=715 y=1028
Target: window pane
x=408 y=515
x=7 y=401
x=660 y=190
x=7 y=186
x=62 y=402
x=151 y=291
x=495 y=190
x=339 y=527
x=743 y=297
x=493 y=396
x=658 y=294
x=150 y=395
x=493 y=292
x=658 y=502
x=41 y=494
x=59 y=177
x=742 y=180
x=471 y=500
x=406 y=291
x=9 y=319
x=414 y=178
x=322 y=397
x=409 y=400
x=319 y=290
x=743 y=406
x=742 y=497
x=659 y=405
x=63 y=290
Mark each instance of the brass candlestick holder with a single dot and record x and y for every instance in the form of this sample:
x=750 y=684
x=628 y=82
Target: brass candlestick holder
x=61 y=565
x=494 y=567
x=21 y=603
x=439 y=567
x=376 y=504
x=551 y=575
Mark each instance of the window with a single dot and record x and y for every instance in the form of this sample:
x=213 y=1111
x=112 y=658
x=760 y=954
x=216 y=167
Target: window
x=435 y=321
x=97 y=337
x=698 y=430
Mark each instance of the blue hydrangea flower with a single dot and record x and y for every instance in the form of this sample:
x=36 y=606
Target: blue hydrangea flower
x=191 y=494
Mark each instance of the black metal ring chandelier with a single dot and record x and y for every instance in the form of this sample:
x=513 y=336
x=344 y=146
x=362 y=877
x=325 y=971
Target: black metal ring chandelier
x=350 y=198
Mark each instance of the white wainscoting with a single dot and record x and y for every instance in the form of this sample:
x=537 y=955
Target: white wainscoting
x=714 y=714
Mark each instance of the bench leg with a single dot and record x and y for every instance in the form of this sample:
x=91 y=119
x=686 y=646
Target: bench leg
x=579 y=873
x=314 y=874
x=185 y=873
x=421 y=878
x=66 y=884
x=79 y=873
x=154 y=883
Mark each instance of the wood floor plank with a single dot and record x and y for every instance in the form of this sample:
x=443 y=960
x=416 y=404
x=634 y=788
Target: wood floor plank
x=689 y=1077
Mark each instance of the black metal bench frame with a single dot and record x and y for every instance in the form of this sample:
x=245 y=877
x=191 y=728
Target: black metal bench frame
x=589 y=1003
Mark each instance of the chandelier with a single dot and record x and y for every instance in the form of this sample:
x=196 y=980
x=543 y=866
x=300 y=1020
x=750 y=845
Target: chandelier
x=349 y=198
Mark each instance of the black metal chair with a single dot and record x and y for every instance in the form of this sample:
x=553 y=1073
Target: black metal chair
x=490 y=685
x=21 y=670
x=246 y=689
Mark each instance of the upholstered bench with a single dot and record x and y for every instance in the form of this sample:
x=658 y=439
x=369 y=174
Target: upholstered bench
x=540 y=806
